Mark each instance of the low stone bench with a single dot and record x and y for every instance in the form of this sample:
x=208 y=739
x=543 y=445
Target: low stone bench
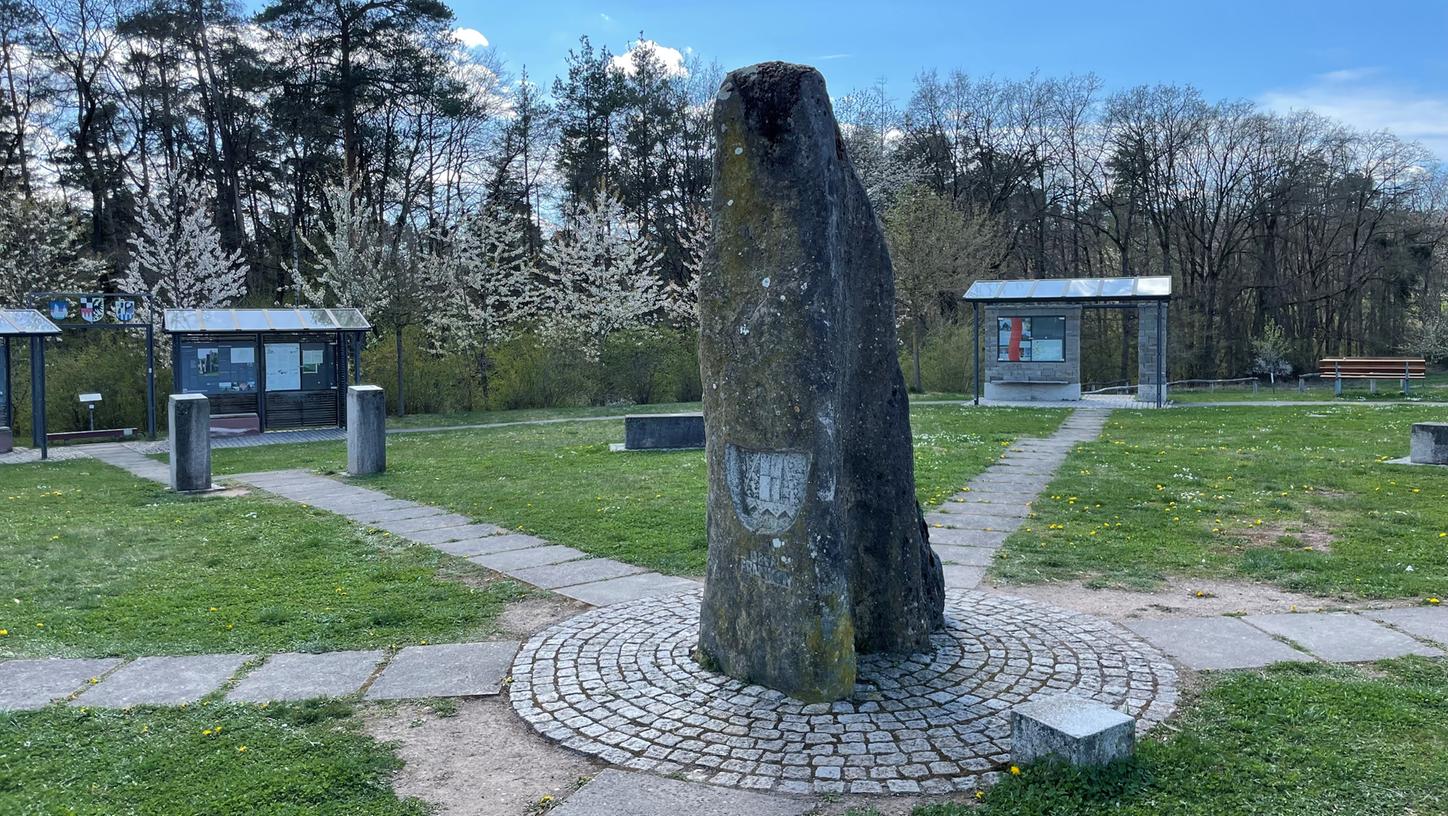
x=1077 y=731
x=663 y=431
x=1429 y=443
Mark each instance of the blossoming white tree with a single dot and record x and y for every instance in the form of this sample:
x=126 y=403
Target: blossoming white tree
x=176 y=252
x=602 y=276
x=482 y=287
x=347 y=258
x=41 y=250
x=683 y=299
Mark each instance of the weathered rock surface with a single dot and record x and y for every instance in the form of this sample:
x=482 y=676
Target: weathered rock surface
x=817 y=548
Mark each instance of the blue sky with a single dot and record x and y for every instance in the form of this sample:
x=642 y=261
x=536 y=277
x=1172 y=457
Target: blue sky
x=1375 y=65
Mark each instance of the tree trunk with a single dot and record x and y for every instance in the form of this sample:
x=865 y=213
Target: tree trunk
x=401 y=394
x=915 y=353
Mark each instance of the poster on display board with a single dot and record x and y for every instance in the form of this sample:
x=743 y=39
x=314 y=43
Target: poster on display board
x=283 y=367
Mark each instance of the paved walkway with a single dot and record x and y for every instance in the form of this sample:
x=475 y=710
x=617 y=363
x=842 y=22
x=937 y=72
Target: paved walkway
x=532 y=560
x=443 y=670
x=967 y=530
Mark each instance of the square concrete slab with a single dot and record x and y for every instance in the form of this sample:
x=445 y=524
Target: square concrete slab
x=162 y=681
x=958 y=576
x=26 y=685
x=448 y=670
x=400 y=514
x=967 y=538
x=620 y=793
x=305 y=676
x=628 y=588
x=1427 y=622
x=1078 y=731
x=490 y=544
x=969 y=556
x=552 y=576
x=531 y=557
x=1215 y=643
x=447 y=534
x=441 y=521
x=1341 y=637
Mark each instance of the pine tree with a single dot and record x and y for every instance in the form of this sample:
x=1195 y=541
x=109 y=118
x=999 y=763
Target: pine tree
x=602 y=276
x=176 y=251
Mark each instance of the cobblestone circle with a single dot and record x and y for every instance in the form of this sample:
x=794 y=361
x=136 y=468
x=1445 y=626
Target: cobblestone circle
x=619 y=683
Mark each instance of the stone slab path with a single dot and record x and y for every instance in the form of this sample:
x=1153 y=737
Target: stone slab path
x=615 y=793
x=127 y=458
x=526 y=558
x=415 y=672
x=967 y=529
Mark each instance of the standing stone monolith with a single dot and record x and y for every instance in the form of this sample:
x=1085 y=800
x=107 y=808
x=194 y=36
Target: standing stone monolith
x=818 y=550
x=189 y=422
x=366 y=430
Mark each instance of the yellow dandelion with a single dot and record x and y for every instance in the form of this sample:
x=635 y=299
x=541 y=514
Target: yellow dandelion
x=241 y=749
x=1433 y=602
x=1015 y=770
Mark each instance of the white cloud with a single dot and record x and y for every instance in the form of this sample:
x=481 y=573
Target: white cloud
x=672 y=58
x=470 y=38
x=1367 y=99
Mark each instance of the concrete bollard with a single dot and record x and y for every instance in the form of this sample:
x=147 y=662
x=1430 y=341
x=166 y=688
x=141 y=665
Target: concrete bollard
x=190 y=429
x=366 y=430
x=1077 y=731
x=1429 y=442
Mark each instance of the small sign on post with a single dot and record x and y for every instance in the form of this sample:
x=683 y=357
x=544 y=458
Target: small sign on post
x=89 y=401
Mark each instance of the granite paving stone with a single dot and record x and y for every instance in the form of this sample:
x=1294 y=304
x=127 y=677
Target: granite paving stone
x=531 y=557
x=445 y=670
x=552 y=576
x=162 y=681
x=627 y=793
x=400 y=514
x=31 y=684
x=958 y=576
x=967 y=538
x=1215 y=643
x=295 y=676
x=627 y=588
x=1341 y=637
x=1427 y=622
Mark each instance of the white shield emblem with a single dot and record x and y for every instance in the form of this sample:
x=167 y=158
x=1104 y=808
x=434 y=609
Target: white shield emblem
x=767 y=487
x=92 y=308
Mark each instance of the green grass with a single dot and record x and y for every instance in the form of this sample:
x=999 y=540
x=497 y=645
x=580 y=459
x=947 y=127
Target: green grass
x=1433 y=388
x=298 y=759
x=1293 y=740
x=561 y=481
x=1295 y=496
x=532 y=414
x=98 y=562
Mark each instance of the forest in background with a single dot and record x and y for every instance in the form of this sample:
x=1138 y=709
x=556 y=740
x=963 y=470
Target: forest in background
x=534 y=240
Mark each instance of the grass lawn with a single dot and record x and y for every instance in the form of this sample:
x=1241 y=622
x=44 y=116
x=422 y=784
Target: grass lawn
x=561 y=481
x=1433 y=388
x=1299 y=497
x=1293 y=740
x=98 y=562
x=211 y=758
x=527 y=414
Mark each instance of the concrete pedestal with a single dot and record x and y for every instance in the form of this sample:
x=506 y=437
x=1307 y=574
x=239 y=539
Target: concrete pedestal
x=1430 y=443
x=7 y=440
x=190 y=428
x=1076 y=731
x=663 y=431
x=366 y=430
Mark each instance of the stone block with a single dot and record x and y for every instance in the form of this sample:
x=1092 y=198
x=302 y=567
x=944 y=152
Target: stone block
x=663 y=431
x=307 y=676
x=189 y=418
x=1429 y=443
x=1077 y=731
x=162 y=681
x=7 y=440
x=366 y=430
x=445 y=670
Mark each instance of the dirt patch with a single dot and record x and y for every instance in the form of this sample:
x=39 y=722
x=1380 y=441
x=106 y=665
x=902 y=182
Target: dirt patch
x=1307 y=536
x=1185 y=599
x=481 y=761
x=531 y=615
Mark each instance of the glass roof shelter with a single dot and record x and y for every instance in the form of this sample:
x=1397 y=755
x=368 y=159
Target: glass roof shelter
x=27 y=323
x=266 y=369
x=1033 y=332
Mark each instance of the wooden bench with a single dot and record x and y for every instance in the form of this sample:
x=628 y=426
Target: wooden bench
x=98 y=435
x=1372 y=369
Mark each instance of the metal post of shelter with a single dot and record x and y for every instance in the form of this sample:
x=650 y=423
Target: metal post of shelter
x=37 y=396
x=9 y=399
x=151 y=378
x=975 y=349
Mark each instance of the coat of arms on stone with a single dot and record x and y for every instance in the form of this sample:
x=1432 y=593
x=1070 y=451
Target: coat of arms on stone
x=768 y=487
